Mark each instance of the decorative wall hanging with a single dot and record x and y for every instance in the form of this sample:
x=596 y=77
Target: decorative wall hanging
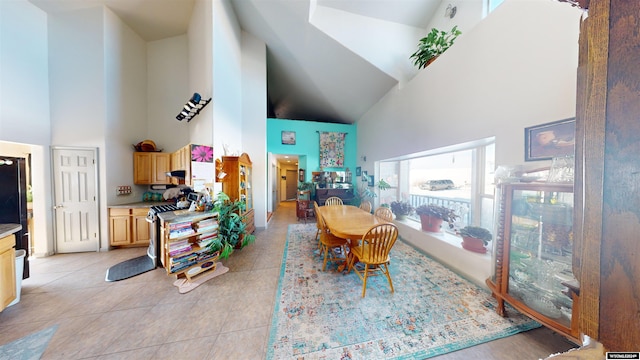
x=192 y=107
x=546 y=141
x=332 y=149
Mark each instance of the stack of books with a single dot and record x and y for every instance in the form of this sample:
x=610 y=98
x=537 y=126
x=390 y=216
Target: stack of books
x=179 y=247
x=179 y=229
x=207 y=225
x=181 y=262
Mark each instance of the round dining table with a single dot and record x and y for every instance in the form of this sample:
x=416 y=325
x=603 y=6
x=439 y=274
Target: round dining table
x=349 y=222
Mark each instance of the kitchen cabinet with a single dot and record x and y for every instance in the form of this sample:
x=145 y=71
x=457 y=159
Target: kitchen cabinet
x=237 y=184
x=129 y=227
x=150 y=168
x=533 y=255
x=7 y=271
x=181 y=160
x=184 y=239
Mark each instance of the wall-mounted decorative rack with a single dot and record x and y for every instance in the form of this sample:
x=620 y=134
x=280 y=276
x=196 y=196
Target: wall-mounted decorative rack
x=192 y=107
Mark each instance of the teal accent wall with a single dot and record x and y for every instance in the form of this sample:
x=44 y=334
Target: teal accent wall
x=307 y=145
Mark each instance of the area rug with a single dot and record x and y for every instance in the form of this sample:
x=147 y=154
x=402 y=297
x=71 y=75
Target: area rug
x=30 y=347
x=321 y=314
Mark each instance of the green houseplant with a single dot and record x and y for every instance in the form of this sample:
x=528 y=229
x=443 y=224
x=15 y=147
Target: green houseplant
x=432 y=45
x=363 y=192
x=231 y=226
x=401 y=209
x=475 y=238
x=432 y=216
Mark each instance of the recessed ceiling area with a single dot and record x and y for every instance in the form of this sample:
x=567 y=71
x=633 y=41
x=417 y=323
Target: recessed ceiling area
x=327 y=60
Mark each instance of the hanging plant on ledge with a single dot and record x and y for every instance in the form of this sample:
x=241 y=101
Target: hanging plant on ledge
x=432 y=45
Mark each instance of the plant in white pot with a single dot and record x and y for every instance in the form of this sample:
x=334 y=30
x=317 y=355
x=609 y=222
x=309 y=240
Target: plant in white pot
x=402 y=209
x=432 y=45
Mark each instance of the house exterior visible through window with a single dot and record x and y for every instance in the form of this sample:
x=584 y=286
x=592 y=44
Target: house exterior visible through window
x=460 y=179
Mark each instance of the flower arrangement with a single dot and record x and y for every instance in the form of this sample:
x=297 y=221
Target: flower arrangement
x=437 y=211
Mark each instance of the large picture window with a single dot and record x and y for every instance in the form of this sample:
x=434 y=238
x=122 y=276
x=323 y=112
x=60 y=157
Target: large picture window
x=458 y=177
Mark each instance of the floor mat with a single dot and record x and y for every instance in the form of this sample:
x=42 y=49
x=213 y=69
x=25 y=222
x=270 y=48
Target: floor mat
x=129 y=268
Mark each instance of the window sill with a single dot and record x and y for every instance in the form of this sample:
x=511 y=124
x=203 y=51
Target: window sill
x=447 y=249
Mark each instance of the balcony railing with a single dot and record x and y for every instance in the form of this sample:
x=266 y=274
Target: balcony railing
x=461 y=206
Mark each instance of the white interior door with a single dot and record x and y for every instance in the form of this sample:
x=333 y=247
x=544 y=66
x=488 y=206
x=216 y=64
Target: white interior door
x=75 y=199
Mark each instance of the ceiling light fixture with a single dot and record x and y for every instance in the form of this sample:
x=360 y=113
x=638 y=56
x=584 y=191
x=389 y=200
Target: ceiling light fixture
x=450 y=11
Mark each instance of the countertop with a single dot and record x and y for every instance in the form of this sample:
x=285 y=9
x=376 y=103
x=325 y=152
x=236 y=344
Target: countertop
x=8 y=229
x=141 y=204
x=183 y=215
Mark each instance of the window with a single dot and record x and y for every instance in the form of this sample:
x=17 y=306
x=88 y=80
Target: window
x=458 y=177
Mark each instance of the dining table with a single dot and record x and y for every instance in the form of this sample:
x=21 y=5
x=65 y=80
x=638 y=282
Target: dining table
x=348 y=221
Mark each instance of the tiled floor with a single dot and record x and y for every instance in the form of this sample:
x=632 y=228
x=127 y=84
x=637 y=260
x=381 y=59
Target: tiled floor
x=145 y=317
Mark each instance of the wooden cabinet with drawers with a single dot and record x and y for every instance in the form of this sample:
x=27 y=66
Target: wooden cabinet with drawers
x=129 y=227
x=7 y=271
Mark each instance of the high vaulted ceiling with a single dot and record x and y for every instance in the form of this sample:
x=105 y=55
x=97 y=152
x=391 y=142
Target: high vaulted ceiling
x=327 y=60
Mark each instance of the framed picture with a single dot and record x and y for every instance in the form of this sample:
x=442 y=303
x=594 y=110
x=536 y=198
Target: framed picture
x=546 y=141
x=365 y=178
x=370 y=180
x=358 y=171
x=289 y=137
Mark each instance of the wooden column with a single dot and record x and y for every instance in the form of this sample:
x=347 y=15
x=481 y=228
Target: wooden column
x=607 y=245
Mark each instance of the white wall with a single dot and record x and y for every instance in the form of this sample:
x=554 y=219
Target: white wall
x=167 y=91
x=254 y=123
x=515 y=69
x=24 y=102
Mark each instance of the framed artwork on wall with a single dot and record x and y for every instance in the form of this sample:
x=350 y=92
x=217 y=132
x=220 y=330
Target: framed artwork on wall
x=289 y=137
x=370 y=180
x=546 y=141
x=358 y=171
x=365 y=178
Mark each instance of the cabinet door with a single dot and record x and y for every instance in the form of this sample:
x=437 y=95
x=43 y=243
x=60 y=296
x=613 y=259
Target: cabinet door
x=141 y=228
x=161 y=165
x=119 y=227
x=7 y=271
x=142 y=168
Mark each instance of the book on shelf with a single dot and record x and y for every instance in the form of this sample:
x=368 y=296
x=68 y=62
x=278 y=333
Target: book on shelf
x=179 y=233
x=179 y=225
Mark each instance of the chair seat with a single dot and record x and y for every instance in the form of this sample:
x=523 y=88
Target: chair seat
x=361 y=252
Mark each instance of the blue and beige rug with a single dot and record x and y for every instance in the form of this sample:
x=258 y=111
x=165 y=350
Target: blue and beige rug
x=321 y=315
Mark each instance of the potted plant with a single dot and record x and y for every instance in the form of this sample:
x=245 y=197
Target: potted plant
x=231 y=226
x=432 y=45
x=363 y=192
x=432 y=216
x=475 y=238
x=401 y=209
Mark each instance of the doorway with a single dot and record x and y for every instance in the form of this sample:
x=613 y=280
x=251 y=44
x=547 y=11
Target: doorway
x=75 y=176
x=292 y=184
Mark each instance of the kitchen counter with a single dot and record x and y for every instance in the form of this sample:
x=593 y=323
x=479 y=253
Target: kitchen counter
x=8 y=229
x=140 y=204
x=183 y=215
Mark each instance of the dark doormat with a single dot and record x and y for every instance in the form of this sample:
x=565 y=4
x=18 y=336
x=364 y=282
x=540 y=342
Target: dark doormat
x=129 y=268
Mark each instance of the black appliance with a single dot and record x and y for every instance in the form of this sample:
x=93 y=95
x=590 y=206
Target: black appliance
x=13 y=201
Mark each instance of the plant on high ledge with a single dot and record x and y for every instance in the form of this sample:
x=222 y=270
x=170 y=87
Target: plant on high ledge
x=432 y=45
x=432 y=216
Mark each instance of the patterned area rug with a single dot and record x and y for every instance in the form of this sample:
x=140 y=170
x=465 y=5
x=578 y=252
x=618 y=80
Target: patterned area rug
x=30 y=347
x=321 y=315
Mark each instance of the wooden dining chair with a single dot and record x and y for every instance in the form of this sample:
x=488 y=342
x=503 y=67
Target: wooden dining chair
x=366 y=206
x=318 y=223
x=329 y=243
x=373 y=253
x=334 y=200
x=384 y=213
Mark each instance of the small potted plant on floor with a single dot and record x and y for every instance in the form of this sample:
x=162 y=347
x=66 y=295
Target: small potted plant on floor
x=401 y=209
x=432 y=216
x=432 y=45
x=475 y=238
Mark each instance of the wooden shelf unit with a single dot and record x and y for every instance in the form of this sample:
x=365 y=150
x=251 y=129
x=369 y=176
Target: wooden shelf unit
x=237 y=184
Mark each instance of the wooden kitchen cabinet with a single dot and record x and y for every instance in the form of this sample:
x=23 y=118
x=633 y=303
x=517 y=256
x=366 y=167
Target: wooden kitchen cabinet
x=150 y=168
x=237 y=184
x=181 y=160
x=129 y=227
x=7 y=271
